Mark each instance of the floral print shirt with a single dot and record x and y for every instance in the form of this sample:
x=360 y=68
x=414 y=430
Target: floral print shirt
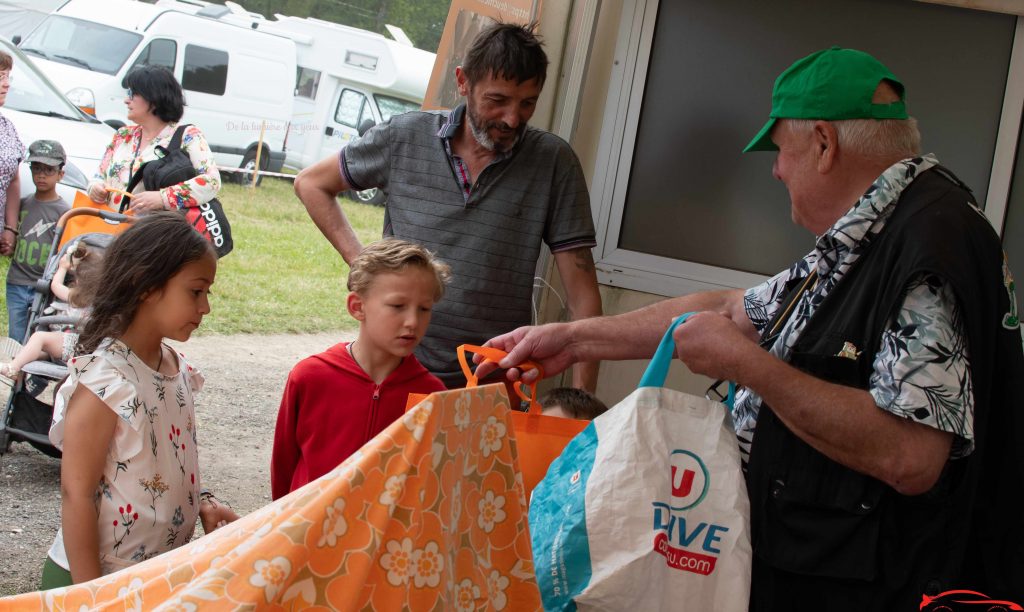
x=148 y=496
x=124 y=156
x=12 y=151
x=922 y=370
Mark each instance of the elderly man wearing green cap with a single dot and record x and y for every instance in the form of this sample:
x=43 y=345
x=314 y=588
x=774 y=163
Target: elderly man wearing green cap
x=877 y=408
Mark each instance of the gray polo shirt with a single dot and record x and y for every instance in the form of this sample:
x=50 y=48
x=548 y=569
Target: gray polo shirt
x=535 y=195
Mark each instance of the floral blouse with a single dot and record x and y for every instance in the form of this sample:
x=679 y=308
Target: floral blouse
x=148 y=496
x=123 y=158
x=12 y=151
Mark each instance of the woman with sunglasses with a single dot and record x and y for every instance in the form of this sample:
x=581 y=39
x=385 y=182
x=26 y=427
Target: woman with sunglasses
x=11 y=153
x=155 y=104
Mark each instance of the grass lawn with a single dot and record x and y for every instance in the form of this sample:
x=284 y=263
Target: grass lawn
x=282 y=276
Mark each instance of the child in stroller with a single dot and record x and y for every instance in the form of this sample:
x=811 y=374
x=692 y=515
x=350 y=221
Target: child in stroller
x=28 y=411
x=59 y=344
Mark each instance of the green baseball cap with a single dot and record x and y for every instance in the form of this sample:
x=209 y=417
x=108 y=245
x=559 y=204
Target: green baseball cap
x=831 y=85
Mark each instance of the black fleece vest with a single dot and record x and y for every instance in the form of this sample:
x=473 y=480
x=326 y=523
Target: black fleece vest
x=823 y=532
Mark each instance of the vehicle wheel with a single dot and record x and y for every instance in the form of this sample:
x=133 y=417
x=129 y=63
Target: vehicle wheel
x=249 y=165
x=374 y=196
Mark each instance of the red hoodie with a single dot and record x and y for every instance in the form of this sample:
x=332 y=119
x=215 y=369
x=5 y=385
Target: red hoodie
x=331 y=408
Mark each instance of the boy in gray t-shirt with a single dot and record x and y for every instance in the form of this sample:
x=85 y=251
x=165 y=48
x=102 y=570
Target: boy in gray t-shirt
x=36 y=228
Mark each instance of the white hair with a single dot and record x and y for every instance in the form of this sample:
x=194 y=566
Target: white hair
x=882 y=140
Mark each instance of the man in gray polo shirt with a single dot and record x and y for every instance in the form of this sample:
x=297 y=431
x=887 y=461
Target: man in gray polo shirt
x=482 y=190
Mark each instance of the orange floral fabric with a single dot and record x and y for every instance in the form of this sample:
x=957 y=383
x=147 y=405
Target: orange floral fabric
x=429 y=515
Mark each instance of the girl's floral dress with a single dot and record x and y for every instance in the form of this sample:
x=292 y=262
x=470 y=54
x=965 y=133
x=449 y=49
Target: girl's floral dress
x=148 y=497
x=124 y=156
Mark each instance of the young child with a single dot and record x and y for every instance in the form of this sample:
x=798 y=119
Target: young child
x=572 y=403
x=130 y=486
x=335 y=402
x=36 y=227
x=57 y=344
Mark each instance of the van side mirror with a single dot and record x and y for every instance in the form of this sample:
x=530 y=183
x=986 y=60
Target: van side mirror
x=16 y=39
x=365 y=126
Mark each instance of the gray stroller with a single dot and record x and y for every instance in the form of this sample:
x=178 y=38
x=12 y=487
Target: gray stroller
x=28 y=413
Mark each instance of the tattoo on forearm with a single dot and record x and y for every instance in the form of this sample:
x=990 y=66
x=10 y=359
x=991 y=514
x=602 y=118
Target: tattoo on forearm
x=584 y=260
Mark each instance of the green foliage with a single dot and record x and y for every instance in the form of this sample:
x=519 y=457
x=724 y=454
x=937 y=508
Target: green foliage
x=283 y=276
x=422 y=20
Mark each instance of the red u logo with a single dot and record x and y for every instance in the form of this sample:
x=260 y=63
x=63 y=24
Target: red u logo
x=683 y=489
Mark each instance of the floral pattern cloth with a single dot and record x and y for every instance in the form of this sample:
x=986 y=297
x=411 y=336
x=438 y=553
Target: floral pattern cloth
x=124 y=157
x=12 y=151
x=429 y=515
x=148 y=497
x=922 y=370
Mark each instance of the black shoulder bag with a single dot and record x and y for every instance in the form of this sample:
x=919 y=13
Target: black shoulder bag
x=173 y=168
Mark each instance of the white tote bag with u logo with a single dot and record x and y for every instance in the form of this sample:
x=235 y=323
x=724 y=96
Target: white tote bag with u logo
x=646 y=509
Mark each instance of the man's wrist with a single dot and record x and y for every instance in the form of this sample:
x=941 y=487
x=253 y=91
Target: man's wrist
x=13 y=230
x=572 y=344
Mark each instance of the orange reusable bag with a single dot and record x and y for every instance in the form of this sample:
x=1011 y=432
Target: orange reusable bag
x=429 y=515
x=91 y=223
x=539 y=439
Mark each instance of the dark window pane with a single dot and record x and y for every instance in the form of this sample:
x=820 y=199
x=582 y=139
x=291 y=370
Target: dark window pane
x=159 y=52
x=693 y=195
x=1013 y=229
x=307 y=81
x=206 y=70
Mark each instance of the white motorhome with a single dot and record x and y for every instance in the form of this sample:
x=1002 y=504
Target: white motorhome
x=346 y=79
x=236 y=80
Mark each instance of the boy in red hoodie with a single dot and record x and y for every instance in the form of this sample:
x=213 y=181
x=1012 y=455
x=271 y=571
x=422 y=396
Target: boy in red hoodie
x=335 y=402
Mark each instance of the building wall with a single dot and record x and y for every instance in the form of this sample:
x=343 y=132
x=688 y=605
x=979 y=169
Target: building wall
x=617 y=379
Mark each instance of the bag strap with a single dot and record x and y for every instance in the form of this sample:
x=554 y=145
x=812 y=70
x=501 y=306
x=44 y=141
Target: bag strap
x=657 y=369
x=173 y=145
x=491 y=353
x=175 y=142
x=133 y=181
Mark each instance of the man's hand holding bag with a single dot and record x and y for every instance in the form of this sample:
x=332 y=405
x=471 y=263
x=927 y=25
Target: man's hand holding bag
x=647 y=508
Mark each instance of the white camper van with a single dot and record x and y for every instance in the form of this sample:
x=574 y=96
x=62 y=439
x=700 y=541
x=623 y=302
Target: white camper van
x=235 y=78
x=347 y=79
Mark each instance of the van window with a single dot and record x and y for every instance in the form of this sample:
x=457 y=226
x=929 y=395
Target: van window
x=159 y=52
x=30 y=93
x=86 y=44
x=353 y=109
x=206 y=70
x=390 y=106
x=307 y=81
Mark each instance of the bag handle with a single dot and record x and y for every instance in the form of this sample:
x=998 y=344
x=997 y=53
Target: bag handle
x=491 y=353
x=657 y=369
x=173 y=145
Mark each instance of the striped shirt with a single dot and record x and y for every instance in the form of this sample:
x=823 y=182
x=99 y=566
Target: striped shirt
x=490 y=232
